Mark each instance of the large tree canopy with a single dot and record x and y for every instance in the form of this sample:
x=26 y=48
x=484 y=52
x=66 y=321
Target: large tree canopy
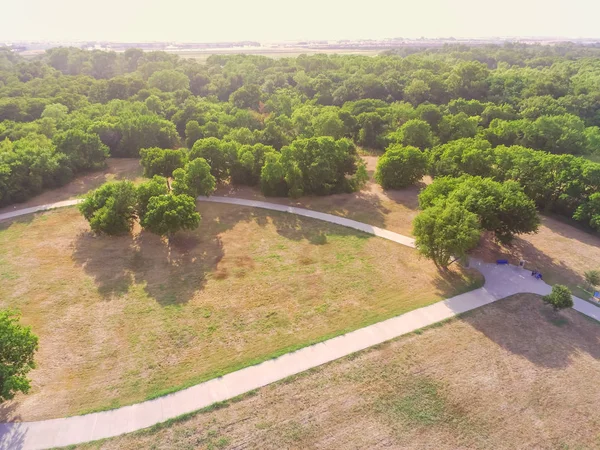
x=17 y=348
x=168 y=214
x=110 y=209
x=400 y=167
x=444 y=231
x=529 y=114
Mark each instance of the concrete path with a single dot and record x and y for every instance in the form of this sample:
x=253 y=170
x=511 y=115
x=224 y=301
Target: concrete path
x=501 y=281
x=34 y=209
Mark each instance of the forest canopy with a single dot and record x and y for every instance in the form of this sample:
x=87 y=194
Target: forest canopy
x=294 y=126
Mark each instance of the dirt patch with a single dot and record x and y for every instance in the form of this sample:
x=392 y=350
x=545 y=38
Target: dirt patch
x=503 y=377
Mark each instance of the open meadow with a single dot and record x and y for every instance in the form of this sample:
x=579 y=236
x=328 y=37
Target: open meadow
x=123 y=319
x=512 y=374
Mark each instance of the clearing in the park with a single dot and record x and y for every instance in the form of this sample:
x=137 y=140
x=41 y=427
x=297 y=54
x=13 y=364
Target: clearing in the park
x=123 y=319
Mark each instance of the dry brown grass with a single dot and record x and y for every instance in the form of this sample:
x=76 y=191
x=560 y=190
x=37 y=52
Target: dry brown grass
x=510 y=375
x=121 y=319
x=116 y=169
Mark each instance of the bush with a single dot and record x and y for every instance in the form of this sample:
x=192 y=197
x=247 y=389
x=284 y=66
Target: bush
x=400 y=167
x=592 y=277
x=559 y=298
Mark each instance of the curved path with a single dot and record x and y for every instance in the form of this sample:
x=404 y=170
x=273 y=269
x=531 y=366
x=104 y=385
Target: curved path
x=500 y=282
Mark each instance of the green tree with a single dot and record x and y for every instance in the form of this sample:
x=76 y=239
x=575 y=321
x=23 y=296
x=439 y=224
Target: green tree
x=415 y=133
x=502 y=208
x=272 y=176
x=194 y=180
x=17 y=348
x=592 y=277
x=559 y=298
x=168 y=214
x=160 y=161
x=589 y=211
x=110 y=209
x=169 y=80
x=84 y=150
x=246 y=97
x=55 y=111
x=457 y=126
x=445 y=230
x=193 y=132
x=219 y=154
x=320 y=166
x=473 y=156
x=328 y=123
x=400 y=166
x=250 y=160
x=148 y=189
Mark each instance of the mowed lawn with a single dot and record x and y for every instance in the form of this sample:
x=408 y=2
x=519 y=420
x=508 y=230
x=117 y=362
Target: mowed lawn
x=509 y=375
x=123 y=319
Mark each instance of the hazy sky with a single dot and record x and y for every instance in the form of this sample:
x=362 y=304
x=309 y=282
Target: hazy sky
x=266 y=20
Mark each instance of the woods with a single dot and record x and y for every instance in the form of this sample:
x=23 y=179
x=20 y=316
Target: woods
x=528 y=114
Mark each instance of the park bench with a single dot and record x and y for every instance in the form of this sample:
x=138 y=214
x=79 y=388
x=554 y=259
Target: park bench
x=502 y=261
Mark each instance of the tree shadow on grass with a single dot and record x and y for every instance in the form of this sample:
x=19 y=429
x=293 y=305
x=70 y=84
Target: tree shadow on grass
x=408 y=197
x=26 y=219
x=454 y=281
x=172 y=272
x=522 y=324
x=316 y=232
x=169 y=272
x=553 y=271
x=571 y=229
x=12 y=436
x=361 y=206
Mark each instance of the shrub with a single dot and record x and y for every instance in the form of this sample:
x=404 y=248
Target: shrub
x=559 y=298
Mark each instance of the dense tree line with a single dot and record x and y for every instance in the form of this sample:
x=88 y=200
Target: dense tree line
x=290 y=126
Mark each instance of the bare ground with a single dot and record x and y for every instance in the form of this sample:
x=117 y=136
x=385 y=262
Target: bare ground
x=512 y=374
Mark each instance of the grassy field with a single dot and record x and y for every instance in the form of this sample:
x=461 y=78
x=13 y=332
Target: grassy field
x=512 y=374
x=123 y=319
x=560 y=250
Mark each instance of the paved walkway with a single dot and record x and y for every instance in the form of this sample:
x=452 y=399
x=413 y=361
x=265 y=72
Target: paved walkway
x=501 y=281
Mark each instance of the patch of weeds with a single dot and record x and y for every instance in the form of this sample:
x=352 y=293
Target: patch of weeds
x=294 y=431
x=318 y=239
x=204 y=312
x=262 y=425
x=419 y=402
x=322 y=308
x=244 y=396
x=554 y=318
